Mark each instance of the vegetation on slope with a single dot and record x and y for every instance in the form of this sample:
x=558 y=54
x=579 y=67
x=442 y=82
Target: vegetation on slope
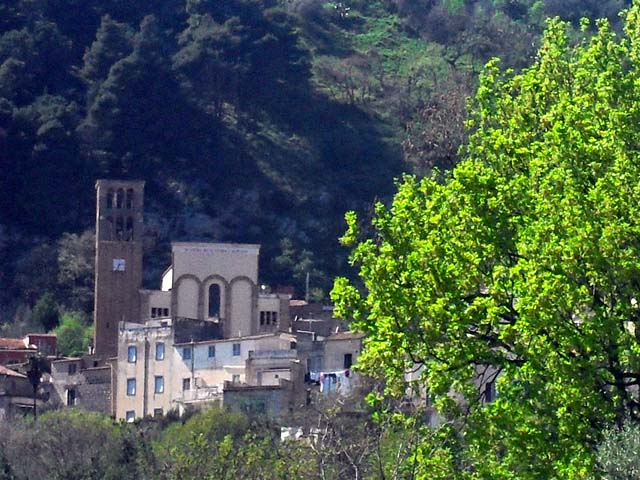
x=250 y=120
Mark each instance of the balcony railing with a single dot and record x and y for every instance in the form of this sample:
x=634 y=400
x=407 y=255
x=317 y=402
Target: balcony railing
x=292 y=354
x=202 y=394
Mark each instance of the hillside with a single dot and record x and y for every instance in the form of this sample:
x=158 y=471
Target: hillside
x=250 y=120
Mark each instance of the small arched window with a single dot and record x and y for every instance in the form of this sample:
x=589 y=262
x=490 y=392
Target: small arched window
x=110 y=198
x=128 y=231
x=130 y=198
x=119 y=198
x=119 y=228
x=214 y=300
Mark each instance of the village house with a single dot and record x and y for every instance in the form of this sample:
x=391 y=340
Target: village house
x=18 y=350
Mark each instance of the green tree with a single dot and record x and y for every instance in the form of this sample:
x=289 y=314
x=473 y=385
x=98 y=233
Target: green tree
x=70 y=445
x=74 y=336
x=617 y=453
x=46 y=312
x=525 y=258
x=76 y=255
x=216 y=444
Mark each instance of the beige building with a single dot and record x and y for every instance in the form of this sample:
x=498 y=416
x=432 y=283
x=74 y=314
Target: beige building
x=170 y=364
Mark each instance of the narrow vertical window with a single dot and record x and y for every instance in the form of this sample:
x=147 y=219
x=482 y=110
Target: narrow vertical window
x=159 y=384
x=212 y=351
x=119 y=198
x=186 y=384
x=129 y=202
x=132 y=353
x=119 y=228
x=186 y=353
x=128 y=229
x=110 y=195
x=214 y=300
x=490 y=392
x=131 y=386
x=348 y=360
x=159 y=351
x=236 y=349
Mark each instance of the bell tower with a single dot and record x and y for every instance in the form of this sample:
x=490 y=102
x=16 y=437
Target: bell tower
x=118 y=270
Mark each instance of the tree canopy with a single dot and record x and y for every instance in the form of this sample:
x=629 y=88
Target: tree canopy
x=525 y=258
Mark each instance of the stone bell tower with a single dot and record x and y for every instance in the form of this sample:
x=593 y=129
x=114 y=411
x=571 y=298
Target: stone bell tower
x=118 y=270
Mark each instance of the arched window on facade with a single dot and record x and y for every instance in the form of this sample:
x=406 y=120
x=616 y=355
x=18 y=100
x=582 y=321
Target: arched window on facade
x=128 y=229
x=119 y=198
x=214 y=300
x=109 y=233
x=119 y=228
x=130 y=198
x=110 y=198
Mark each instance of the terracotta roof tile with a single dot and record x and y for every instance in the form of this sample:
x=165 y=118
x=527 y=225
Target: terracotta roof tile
x=13 y=343
x=10 y=373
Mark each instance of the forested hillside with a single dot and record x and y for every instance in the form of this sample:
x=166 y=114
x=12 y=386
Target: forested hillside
x=250 y=120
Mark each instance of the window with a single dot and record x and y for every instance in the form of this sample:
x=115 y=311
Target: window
x=119 y=265
x=157 y=412
x=212 y=351
x=132 y=353
x=119 y=228
x=130 y=198
x=128 y=231
x=186 y=384
x=119 y=198
x=348 y=360
x=186 y=353
x=490 y=392
x=268 y=318
x=159 y=312
x=235 y=378
x=159 y=384
x=71 y=397
x=236 y=349
x=110 y=195
x=159 y=351
x=73 y=368
x=130 y=416
x=131 y=386
x=214 y=300
x=293 y=345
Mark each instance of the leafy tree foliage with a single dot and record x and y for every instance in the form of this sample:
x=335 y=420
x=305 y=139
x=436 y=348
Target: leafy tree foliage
x=46 y=312
x=69 y=445
x=220 y=445
x=524 y=259
x=76 y=255
x=616 y=453
x=74 y=335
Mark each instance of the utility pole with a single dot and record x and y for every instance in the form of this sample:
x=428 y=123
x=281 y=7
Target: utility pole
x=306 y=293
